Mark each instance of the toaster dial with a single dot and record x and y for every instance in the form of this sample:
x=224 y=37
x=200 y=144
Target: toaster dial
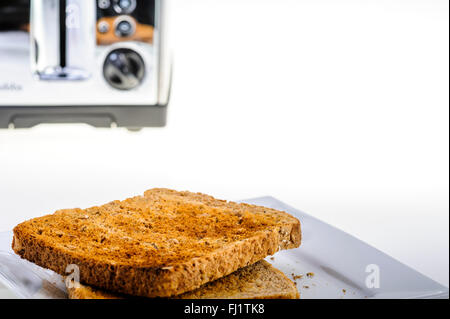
x=124 y=6
x=124 y=69
x=125 y=27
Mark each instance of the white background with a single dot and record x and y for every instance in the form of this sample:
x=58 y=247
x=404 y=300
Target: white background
x=338 y=108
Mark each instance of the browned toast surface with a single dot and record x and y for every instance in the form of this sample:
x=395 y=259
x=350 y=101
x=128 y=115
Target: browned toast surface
x=258 y=281
x=161 y=244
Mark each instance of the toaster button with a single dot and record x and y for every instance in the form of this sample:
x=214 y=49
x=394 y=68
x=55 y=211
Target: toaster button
x=104 y=4
x=124 y=6
x=103 y=27
x=125 y=26
x=124 y=29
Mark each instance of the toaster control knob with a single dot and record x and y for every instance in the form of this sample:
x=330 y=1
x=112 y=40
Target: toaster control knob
x=124 y=69
x=124 y=6
x=125 y=28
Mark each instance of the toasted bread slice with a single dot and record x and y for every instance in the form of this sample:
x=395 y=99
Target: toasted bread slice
x=257 y=281
x=161 y=244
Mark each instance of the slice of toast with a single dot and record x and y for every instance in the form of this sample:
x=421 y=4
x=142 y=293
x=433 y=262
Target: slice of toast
x=161 y=244
x=257 y=281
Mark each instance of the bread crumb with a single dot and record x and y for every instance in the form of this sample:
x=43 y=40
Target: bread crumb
x=306 y=287
x=310 y=275
x=272 y=258
x=344 y=291
x=295 y=277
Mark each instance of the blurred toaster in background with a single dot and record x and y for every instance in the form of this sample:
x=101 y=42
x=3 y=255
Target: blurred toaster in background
x=101 y=62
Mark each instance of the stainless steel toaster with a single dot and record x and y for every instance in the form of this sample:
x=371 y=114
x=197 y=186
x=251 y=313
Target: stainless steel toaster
x=105 y=62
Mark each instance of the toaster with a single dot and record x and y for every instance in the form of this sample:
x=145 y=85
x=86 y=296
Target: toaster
x=105 y=63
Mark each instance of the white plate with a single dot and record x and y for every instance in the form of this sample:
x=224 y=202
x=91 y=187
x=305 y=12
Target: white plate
x=338 y=261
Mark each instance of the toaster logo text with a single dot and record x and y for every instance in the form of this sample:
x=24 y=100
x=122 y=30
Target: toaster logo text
x=10 y=87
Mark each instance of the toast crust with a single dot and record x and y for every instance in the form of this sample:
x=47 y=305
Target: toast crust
x=258 y=281
x=148 y=272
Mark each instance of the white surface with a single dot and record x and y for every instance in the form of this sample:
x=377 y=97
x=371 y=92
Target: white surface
x=339 y=108
x=337 y=264
x=5 y=293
